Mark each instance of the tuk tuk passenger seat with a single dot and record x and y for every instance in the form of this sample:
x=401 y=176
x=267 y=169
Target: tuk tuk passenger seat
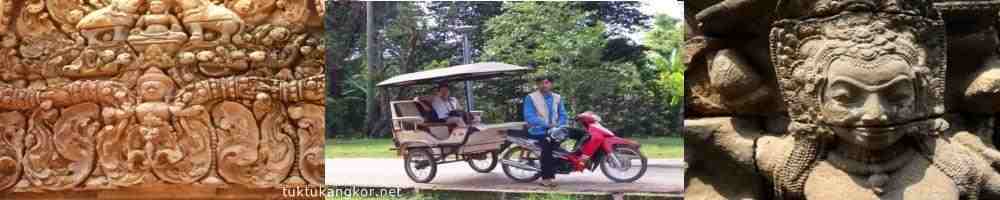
x=408 y=116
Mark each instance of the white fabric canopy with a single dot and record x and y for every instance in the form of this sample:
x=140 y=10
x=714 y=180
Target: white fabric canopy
x=475 y=71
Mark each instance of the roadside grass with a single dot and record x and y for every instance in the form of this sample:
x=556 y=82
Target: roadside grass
x=662 y=147
x=359 y=148
x=653 y=147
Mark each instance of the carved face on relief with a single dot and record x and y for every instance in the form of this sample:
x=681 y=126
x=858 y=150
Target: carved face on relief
x=242 y=7
x=865 y=100
x=8 y=41
x=153 y=90
x=12 y=124
x=157 y=7
x=154 y=86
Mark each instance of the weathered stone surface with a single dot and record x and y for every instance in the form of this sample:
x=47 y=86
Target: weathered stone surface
x=125 y=94
x=873 y=99
x=722 y=169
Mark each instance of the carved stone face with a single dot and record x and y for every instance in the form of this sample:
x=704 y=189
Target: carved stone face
x=153 y=90
x=865 y=101
x=156 y=7
x=8 y=41
x=242 y=7
x=11 y=124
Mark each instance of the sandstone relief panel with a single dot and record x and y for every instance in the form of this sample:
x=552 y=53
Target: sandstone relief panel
x=830 y=99
x=105 y=94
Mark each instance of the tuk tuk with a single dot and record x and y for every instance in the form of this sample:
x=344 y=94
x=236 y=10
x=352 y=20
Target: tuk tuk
x=424 y=145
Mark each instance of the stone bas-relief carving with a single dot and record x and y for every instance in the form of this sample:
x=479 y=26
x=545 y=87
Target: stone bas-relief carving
x=121 y=93
x=871 y=99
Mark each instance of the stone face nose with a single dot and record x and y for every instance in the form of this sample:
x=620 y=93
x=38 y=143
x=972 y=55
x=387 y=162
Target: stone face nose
x=874 y=111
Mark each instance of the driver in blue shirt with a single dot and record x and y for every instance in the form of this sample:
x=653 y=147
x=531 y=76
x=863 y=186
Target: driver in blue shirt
x=543 y=110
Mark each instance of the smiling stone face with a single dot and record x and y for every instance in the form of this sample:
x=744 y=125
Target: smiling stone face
x=860 y=75
x=866 y=99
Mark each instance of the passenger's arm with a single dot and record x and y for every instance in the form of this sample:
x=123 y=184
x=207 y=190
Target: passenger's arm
x=454 y=102
x=421 y=100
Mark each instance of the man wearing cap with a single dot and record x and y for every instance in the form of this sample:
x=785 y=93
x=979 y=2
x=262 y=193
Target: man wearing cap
x=544 y=109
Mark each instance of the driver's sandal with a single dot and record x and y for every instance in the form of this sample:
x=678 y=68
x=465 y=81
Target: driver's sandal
x=548 y=183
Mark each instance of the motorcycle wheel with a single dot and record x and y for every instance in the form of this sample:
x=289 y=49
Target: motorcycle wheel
x=521 y=155
x=626 y=158
x=420 y=165
x=485 y=165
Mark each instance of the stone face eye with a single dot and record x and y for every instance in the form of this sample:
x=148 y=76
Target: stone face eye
x=900 y=92
x=842 y=94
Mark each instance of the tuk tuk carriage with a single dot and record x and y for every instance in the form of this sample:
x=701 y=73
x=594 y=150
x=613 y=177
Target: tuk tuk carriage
x=424 y=145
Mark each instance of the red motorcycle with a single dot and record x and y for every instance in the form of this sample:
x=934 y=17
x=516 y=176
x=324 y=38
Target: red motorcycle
x=619 y=158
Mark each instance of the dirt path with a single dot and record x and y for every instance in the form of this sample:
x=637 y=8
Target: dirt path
x=662 y=176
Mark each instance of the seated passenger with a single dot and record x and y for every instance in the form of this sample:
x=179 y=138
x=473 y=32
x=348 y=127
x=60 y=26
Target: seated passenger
x=444 y=108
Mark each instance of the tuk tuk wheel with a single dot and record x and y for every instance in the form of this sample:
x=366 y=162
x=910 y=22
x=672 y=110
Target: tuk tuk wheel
x=486 y=164
x=420 y=165
x=521 y=164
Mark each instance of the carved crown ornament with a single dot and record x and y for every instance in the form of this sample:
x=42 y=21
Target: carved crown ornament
x=802 y=9
x=104 y=94
x=803 y=51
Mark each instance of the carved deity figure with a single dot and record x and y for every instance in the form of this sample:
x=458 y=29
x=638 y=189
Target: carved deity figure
x=864 y=93
x=157 y=26
x=154 y=114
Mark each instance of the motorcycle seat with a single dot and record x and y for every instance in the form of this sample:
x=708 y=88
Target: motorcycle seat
x=518 y=133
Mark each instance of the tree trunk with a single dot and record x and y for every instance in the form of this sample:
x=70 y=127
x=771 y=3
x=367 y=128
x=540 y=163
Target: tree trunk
x=371 y=103
x=344 y=32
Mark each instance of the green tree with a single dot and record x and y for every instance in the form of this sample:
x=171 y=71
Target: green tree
x=562 y=39
x=546 y=34
x=343 y=34
x=667 y=35
x=621 y=16
x=665 y=42
x=553 y=37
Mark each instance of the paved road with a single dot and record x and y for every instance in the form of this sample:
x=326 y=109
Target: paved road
x=662 y=176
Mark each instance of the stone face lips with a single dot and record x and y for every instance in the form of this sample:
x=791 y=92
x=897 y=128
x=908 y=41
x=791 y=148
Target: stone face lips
x=104 y=95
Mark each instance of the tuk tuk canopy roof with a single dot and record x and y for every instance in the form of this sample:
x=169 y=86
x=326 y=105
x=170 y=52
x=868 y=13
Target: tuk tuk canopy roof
x=474 y=71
